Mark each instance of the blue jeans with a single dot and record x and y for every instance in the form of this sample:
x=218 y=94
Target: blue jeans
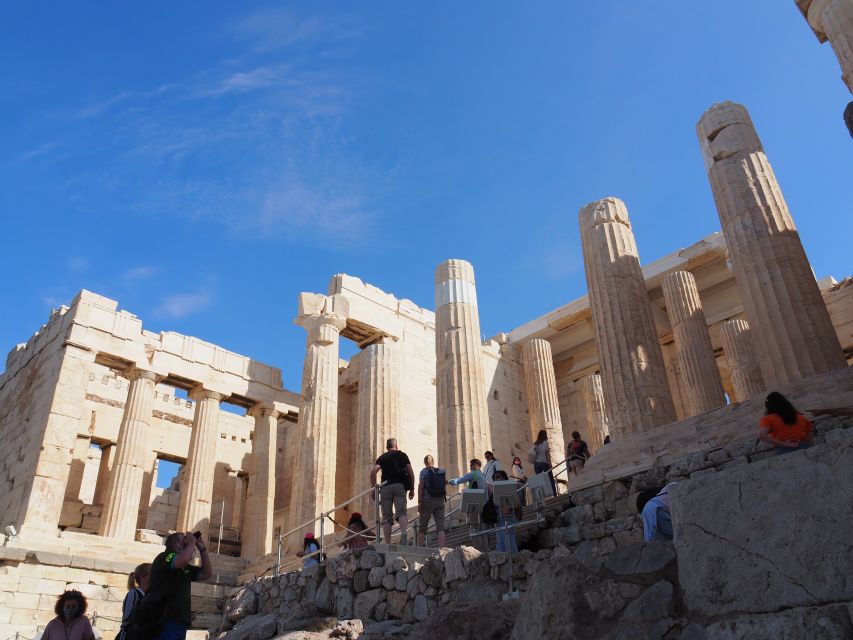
x=502 y=542
x=664 y=528
x=781 y=451
x=173 y=631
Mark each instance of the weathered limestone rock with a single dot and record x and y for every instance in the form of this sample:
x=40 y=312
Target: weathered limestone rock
x=596 y=416
x=313 y=490
x=700 y=376
x=378 y=411
x=456 y=621
x=791 y=328
x=833 y=20
x=255 y=627
x=119 y=515
x=831 y=622
x=730 y=560
x=197 y=483
x=365 y=603
x=462 y=410
x=636 y=391
x=260 y=497
x=745 y=372
x=542 y=400
x=244 y=603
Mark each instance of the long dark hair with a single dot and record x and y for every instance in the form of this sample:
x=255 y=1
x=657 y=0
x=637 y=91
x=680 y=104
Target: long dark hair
x=355 y=519
x=70 y=595
x=309 y=542
x=542 y=437
x=778 y=404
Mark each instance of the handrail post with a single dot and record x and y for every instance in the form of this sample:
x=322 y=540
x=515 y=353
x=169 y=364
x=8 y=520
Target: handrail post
x=322 y=535
x=278 y=557
x=376 y=509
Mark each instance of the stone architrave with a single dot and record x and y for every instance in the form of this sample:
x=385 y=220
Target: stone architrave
x=792 y=332
x=542 y=401
x=833 y=20
x=378 y=411
x=119 y=517
x=596 y=416
x=313 y=490
x=633 y=375
x=745 y=372
x=700 y=376
x=195 y=505
x=461 y=405
x=257 y=533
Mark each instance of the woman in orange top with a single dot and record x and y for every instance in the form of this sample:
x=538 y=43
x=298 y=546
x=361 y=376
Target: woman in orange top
x=783 y=426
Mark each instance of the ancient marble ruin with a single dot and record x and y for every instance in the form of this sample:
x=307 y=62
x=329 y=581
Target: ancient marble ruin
x=670 y=358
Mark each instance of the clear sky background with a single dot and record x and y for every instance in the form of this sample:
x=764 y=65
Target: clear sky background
x=202 y=163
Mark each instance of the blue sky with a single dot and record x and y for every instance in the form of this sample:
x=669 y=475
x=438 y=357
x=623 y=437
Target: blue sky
x=204 y=166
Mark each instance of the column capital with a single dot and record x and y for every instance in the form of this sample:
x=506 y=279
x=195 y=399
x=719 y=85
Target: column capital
x=200 y=393
x=322 y=327
x=264 y=410
x=137 y=373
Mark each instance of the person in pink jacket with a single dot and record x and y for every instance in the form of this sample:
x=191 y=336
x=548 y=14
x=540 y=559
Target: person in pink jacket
x=70 y=622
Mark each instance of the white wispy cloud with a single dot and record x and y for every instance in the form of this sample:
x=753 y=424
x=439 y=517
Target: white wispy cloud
x=182 y=304
x=77 y=263
x=279 y=28
x=38 y=152
x=139 y=273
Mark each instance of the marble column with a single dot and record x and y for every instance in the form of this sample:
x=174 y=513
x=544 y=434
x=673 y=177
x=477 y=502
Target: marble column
x=792 y=332
x=194 y=509
x=108 y=454
x=700 y=376
x=633 y=375
x=596 y=416
x=124 y=494
x=313 y=489
x=257 y=533
x=745 y=372
x=542 y=402
x=461 y=405
x=833 y=20
x=378 y=411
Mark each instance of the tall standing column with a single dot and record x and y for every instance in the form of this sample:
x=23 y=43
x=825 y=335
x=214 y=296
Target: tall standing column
x=833 y=20
x=313 y=489
x=596 y=416
x=121 y=505
x=378 y=411
x=699 y=373
x=197 y=481
x=461 y=405
x=108 y=454
x=260 y=496
x=792 y=331
x=745 y=372
x=542 y=402
x=633 y=375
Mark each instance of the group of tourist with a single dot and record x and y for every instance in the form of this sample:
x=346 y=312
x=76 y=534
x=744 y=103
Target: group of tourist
x=157 y=605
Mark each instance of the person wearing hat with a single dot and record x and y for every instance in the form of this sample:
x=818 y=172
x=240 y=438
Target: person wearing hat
x=310 y=546
x=355 y=532
x=492 y=465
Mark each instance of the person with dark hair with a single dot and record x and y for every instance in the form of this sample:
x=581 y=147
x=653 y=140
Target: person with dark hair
x=70 y=622
x=476 y=480
x=397 y=478
x=541 y=454
x=138 y=582
x=577 y=453
x=309 y=546
x=165 y=612
x=520 y=480
x=432 y=489
x=783 y=426
x=492 y=465
x=357 y=527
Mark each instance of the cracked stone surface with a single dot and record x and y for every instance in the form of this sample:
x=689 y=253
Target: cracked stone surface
x=770 y=535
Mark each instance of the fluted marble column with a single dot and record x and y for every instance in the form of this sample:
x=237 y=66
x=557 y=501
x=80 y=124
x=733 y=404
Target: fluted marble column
x=633 y=375
x=378 y=411
x=122 y=499
x=313 y=489
x=792 y=332
x=197 y=481
x=461 y=405
x=257 y=532
x=833 y=20
x=542 y=402
x=745 y=372
x=699 y=373
x=596 y=416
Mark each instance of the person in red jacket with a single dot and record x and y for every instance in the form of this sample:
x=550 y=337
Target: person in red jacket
x=783 y=426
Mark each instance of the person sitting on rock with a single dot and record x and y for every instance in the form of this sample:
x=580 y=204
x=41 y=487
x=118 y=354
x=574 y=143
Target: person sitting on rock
x=359 y=536
x=783 y=426
x=657 y=521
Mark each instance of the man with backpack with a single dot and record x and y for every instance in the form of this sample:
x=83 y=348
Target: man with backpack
x=577 y=453
x=431 y=493
x=397 y=479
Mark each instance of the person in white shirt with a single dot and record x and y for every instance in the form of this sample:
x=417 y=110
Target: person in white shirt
x=492 y=465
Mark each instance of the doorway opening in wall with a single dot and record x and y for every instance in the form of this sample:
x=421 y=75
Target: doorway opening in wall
x=168 y=472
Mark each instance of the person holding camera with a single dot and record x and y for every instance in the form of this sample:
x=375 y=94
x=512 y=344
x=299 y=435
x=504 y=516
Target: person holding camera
x=165 y=612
